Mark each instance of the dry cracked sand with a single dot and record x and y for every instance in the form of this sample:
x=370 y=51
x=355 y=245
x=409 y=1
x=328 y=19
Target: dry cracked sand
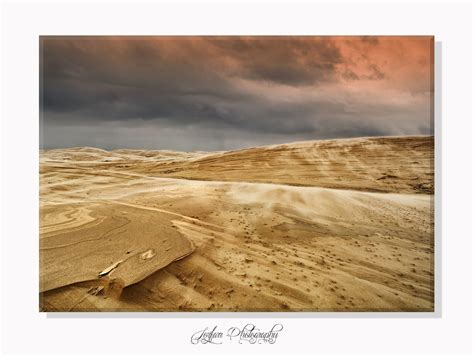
x=335 y=225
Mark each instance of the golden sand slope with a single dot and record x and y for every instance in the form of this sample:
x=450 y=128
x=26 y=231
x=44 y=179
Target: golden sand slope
x=257 y=246
x=383 y=164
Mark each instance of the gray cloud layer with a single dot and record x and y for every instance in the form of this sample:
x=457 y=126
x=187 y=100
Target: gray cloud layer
x=207 y=93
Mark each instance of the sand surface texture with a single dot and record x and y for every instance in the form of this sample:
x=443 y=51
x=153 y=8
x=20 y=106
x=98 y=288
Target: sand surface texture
x=337 y=225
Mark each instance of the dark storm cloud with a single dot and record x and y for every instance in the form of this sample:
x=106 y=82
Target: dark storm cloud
x=261 y=87
x=188 y=79
x=287 y=60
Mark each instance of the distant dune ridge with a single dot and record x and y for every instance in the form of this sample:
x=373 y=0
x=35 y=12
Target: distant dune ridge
x=385 y=164
x=334 y=225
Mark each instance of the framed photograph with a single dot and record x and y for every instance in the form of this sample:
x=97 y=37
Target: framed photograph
x=237 y=173
x=246 y=178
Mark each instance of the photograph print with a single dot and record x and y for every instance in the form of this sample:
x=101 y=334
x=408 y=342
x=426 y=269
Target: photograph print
x=236 y=174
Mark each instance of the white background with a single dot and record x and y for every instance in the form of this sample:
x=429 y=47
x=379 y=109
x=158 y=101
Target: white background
x=27 y=330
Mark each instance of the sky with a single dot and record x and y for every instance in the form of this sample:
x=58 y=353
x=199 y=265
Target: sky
x=222 y=93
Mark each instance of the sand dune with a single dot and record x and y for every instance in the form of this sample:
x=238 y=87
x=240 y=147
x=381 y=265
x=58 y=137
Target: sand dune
x=383 y=164
x=262 y=229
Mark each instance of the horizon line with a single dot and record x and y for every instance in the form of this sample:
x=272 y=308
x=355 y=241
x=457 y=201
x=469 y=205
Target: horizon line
x=241 y=149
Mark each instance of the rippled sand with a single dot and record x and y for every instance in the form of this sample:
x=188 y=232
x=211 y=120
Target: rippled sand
x=338 y=225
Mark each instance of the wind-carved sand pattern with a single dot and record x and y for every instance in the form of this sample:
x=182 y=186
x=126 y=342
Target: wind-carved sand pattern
x=335 y=225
